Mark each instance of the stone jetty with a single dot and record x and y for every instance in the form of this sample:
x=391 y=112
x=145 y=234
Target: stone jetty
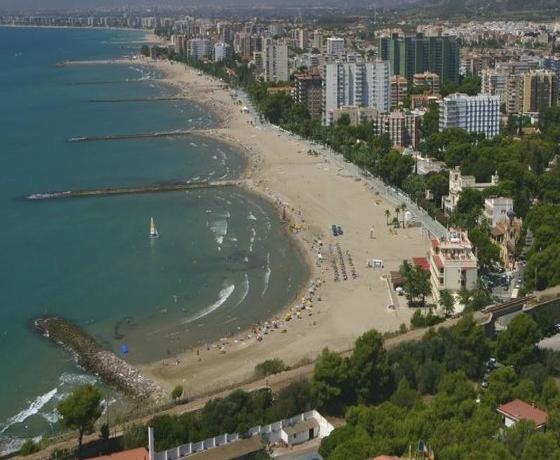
x=91 y=356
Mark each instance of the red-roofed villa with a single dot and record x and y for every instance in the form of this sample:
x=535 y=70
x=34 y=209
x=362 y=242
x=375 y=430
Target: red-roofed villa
x=517 y=410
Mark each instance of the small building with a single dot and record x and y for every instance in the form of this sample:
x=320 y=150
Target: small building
x=517 y=410
x=458 y=183
x=300 y=432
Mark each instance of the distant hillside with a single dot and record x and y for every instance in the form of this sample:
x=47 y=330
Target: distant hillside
x=449 y=7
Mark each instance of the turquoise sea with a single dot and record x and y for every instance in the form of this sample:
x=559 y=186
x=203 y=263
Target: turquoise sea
x=222 y=261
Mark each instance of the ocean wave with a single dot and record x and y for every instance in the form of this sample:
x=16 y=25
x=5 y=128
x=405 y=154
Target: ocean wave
x=267 y=273
x=33 y=408
x=69 y=378
x=51 y=417
x=252 y=239
x=225 y=294
x=251 y=216
x=245 y=290
x=219 y=228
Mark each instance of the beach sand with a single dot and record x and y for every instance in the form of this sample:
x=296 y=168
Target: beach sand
x=316 y=193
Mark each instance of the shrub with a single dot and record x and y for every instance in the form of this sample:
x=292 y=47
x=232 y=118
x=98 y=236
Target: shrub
x=177 y=392
x=269 y=367
x=29 y=447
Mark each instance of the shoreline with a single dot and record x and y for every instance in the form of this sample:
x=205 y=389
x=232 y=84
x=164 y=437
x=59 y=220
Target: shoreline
x=271 y=156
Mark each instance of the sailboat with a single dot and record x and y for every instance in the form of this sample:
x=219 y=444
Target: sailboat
x=153 y=230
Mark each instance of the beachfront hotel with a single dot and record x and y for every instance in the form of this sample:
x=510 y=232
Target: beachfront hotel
x=453 y=264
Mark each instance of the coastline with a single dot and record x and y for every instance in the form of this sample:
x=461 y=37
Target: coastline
x=316 y=192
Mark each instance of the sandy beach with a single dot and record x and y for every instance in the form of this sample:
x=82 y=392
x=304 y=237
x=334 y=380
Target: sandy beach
x=316 y=193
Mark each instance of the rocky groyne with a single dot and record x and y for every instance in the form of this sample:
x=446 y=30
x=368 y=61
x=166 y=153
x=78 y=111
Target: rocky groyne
x=91 y=356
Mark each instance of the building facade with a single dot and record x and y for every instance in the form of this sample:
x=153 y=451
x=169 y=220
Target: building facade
x=357 y=84
x=453 y=264
x=540 y=91
x=410 y=55
x=275 y=62
x=335 y=46
x=427 y=80
x=308 y=91
x=475 y=114
x=399 y=90
x=402 y=127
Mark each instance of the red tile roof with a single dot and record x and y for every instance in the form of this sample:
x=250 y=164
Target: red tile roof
x=133 y=454
x=520 y=410
x=421 y=262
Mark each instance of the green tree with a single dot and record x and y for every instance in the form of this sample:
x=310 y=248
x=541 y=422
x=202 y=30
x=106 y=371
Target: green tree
x=80 y=410
x=541 y=445
x=331 y=386
x=516 y=345
x=369 y=368
x=417 y=285
x=387 y=215
x=447 y=302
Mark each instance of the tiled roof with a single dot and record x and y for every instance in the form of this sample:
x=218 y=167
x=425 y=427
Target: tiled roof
x=520 y=410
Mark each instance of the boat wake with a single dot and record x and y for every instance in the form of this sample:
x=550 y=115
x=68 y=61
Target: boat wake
x=267 y=273
x=224 y=295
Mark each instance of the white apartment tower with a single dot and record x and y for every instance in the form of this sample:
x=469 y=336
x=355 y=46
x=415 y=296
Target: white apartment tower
x=475 y=114
x=356 y=84
x=275 y=62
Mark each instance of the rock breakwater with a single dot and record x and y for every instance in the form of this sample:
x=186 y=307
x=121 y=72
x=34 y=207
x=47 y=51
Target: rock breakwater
x=91 y=356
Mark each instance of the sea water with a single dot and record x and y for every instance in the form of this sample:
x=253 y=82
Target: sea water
x=221 y=263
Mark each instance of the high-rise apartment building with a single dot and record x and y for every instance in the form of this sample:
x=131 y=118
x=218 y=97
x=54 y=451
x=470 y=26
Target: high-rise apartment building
x=308 y=91
x=475 y=114
x=552 y=63
x=494 y=83
x=275 y=62
x=540 y=91
x=417 y=54
x=200 y=48
x=399 y=90
x=358 y=84
x=335 y=46
x=402 y=127
x=301 y=37
x=317 y=40
x=427 y=80
x=222 y=51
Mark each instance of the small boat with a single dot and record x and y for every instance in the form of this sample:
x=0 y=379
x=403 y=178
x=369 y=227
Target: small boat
x=153 y=230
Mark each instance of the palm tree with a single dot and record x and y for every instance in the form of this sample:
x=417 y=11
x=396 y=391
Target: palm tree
x=403 y=209
x=397 y=212
x=387 y=215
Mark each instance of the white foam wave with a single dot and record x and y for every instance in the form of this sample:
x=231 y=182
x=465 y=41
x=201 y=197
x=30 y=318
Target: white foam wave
x=251 y=216
x=252 y=239
x=51 y=417
x=219 y=228
x=34 y=407
x=225 y=294
x=267 y=273
x=193 y=144
x=245 y=290
x=69 y=378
